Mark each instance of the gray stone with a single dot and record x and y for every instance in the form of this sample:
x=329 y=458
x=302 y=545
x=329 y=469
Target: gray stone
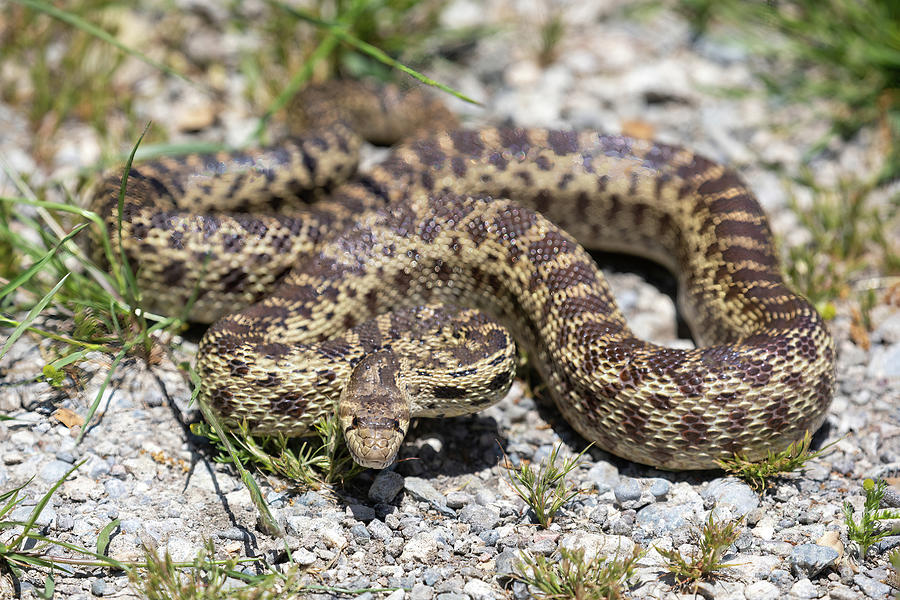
x=663 y=518
x=65 y=523
x=762 y=590
x=840 y=592
x=23 y=513
x=379 y=530
x=479 y=590
x=627 y=490
x=420 y=591
x=457 y=499
x=804 y=588
x=732 y=493
x=871 y=587
x=888 y=328
x=431 y=576
x=66 y=456
x=303 y=557
x=479 y=517
x=360 y=532
x=420 y=489
x=887 y=544
x=780 y=577
x=891 y=498
x=489 y=536
x=392 y=521
x=422 y=548
x=597 y=545
x=115 y=488
x=313 y=499
x=885 y=362
x=386 y=486
x=394 y=546
x=362 y=512
x=659 y=487
x=234 y=533
x=604 y=476
x=507 y=562
x=98 y=587
x=808 y=560
x=54 y=470
x=485 y=497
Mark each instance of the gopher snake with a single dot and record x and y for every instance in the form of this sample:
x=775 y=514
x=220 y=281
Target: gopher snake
x=432 y=224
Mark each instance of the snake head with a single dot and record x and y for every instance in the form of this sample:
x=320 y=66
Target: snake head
x=374 y=410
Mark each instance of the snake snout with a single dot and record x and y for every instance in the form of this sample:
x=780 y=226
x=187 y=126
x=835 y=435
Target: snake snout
x=374 y=441
x=374 y=410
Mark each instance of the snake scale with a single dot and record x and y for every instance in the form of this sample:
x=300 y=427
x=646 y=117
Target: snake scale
x=329 y=286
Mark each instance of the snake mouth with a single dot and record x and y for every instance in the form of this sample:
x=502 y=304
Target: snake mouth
x=374 y=441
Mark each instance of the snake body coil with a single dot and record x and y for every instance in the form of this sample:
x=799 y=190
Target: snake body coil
x=486 y=219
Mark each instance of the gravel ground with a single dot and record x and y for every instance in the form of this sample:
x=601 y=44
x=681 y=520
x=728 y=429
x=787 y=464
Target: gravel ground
x=447 y=525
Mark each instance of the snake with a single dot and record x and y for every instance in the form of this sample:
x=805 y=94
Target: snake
x=401 y=291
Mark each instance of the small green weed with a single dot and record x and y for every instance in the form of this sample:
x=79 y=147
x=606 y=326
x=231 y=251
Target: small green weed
x=573 y=577
x=553 y=30
x=866 y=532
x=545 y=490
x=776 y=465
x=313 y=464
x=712 y=542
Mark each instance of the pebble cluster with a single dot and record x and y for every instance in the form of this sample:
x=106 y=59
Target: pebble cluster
x=444 y=523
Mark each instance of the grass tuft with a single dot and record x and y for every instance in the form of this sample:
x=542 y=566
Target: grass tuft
x=758 y=474
x=867 y=532
x=849 y=239
x=574 y=577
x=711 y=543
x=312 y=464
x=545 y=490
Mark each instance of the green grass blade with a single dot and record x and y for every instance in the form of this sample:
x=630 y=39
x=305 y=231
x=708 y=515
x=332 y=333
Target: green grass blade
x=103 y=538
x=31 y=316
x=96 y=403
x=49 y=587
x=101 y=560
x=268 y=520
x=380 y=56
x=36 y=512
x=129 y=283
x=13 y=497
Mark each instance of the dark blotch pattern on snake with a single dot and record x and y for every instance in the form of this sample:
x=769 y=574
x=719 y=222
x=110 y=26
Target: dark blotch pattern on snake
x=494 y=220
